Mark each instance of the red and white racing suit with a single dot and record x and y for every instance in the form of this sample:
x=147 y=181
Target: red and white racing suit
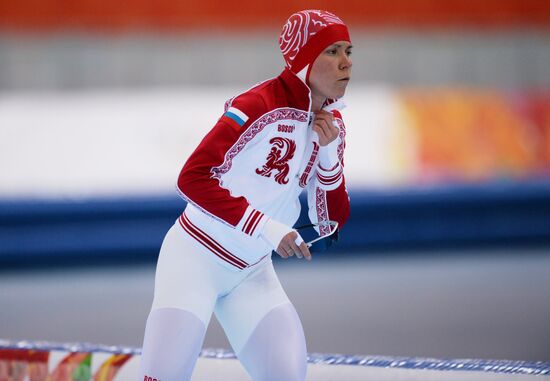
x=252 y=166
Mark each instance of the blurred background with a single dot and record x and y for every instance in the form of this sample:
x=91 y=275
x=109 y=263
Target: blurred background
x=447 y=250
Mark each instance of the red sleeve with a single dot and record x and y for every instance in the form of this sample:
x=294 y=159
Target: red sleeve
x=196 y=182
x=338 y=204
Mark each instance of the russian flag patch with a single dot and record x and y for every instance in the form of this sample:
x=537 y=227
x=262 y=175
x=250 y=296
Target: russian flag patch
x=237 y=115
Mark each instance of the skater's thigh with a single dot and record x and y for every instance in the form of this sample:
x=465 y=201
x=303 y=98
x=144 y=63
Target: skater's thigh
x=184 y=278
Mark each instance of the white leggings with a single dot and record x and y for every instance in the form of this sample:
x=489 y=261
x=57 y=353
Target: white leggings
x=261 y=324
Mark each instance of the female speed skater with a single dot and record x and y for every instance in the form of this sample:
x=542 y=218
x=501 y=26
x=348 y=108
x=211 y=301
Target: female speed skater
x=241 y=184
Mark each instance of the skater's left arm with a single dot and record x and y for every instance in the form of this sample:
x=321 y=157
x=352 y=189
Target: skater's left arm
x=327 y=194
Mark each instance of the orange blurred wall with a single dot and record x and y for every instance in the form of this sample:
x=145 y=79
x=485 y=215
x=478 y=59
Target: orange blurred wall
x=192 y=14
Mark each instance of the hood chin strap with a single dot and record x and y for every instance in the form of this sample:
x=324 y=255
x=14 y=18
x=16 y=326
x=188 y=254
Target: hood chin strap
x=302 y=74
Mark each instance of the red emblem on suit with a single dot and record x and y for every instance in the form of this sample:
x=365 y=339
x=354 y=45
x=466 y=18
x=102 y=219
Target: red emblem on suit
x=282 y=151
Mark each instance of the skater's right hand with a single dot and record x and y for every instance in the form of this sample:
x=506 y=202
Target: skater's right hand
x=293 y=244
x=284 y=240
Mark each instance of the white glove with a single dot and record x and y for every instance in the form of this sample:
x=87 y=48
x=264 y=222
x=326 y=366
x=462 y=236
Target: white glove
x=273 y=232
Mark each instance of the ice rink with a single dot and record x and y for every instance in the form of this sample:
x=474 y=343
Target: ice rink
x=485 y=304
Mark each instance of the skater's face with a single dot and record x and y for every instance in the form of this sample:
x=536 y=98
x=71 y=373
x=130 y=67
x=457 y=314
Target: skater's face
x=331 y=71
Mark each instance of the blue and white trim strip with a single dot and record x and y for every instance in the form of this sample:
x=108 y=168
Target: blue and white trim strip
x=534 y=368
x=237 y=115
x=492 y=366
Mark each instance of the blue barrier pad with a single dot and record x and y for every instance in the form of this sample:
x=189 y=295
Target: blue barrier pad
x=126 y=229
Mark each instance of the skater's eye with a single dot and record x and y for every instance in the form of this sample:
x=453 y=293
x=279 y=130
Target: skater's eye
x=332 y=49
